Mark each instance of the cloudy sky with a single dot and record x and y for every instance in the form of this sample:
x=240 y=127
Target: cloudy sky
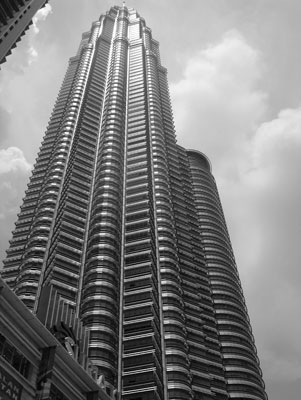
x=234 y=73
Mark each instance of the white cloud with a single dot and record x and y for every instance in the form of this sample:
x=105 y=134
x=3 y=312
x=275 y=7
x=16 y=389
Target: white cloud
x=26 y=52
x=41 y=15
x=272 y=200
x=14 y=172
x=268 y=240
x=218 y=100
x=220 y=110
x=12 y=159
x=275 y=140
x=32 y=55
x=43 y=12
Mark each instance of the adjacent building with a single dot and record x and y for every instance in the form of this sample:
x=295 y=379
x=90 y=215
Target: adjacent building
x=15 y=18
x=127 y=227
x=33 y=363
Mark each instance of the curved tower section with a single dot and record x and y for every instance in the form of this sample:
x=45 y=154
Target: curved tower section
x=242 y=371
x=141 y=345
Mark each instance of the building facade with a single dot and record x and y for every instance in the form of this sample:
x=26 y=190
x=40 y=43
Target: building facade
x=15 y=18
x=33 y=363
x=127 y=226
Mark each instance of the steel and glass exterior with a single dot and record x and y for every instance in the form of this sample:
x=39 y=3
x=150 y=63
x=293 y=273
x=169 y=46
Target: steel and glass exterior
x=128 y=228
x=15 y=18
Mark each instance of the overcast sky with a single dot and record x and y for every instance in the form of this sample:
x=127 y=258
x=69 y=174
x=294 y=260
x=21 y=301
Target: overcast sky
x=234 y=73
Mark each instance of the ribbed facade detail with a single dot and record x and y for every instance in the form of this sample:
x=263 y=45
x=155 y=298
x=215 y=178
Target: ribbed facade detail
x=128 y=229
x=15 y=19
x=241 y=364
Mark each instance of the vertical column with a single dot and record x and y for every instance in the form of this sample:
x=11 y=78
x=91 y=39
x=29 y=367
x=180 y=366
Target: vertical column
x=100 y=294
x=173 y=318
x=142 y=354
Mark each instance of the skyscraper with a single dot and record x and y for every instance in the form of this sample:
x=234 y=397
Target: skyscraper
x=128 y=227
x=15 y=18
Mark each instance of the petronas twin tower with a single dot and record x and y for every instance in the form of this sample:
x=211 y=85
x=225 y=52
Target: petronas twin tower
x=128 y=228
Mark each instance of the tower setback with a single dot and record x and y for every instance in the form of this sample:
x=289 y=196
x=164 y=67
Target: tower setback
x=128 y=228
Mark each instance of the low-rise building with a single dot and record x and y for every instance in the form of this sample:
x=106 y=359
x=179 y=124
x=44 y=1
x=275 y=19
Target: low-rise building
x=33 y=362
